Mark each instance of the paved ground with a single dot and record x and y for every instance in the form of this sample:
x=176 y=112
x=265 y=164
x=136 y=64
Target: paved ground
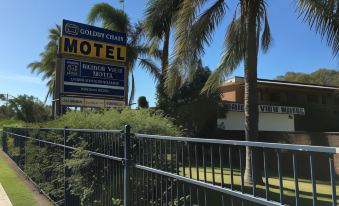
x=40 y=199
x=4 y=200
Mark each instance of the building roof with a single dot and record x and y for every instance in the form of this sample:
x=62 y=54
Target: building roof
x=240 y=80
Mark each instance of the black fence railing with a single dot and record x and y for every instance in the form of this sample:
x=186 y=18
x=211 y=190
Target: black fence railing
x=113 y=168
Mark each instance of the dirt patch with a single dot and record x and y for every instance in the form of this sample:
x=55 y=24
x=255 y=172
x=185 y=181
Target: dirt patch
x=40 y=198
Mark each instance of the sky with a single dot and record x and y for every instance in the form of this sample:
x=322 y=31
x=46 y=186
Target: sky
x=25 y=24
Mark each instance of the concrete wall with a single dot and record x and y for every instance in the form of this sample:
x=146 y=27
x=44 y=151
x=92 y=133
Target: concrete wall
x=267 y=122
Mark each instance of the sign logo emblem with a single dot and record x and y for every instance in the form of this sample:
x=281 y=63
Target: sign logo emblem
x=71 y=29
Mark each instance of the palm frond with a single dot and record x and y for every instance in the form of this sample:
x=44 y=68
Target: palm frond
x=203 y=28
x=151 y=67
x=187 y=13
x=324 y=16
x=266 y=37
x=232 y=56
x=172 y=81
x=111 y=18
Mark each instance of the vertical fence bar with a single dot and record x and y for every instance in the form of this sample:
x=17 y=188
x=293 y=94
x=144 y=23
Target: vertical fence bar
x=281 y=186
x=126 y=165
x=333 y=181
x=241 y=169
x=64 y=161
x=314 y=186
x=197 y=168
x=253 y=171
x=296 y=184
x=221 y=173
x=231 y=165
x=267 y=188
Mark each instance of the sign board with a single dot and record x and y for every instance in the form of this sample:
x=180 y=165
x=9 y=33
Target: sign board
x=84 y=78
x=90 y=102
x=84 y=31
x=237 y=107
x=92 y=49
x=90 y=78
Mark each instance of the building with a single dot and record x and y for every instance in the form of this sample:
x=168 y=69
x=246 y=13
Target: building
x=283 y=106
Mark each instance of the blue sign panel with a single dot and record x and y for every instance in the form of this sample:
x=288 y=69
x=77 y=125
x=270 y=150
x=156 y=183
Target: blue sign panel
x=84 y=31
x=93 y=78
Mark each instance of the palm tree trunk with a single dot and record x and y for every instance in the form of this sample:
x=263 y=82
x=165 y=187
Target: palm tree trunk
x=251 y=99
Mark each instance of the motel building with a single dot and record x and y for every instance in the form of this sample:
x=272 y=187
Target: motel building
x=283 y=106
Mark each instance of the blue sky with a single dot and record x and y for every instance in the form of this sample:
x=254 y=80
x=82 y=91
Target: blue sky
x=25 y=27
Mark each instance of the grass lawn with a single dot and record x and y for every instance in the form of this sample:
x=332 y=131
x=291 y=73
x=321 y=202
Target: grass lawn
x=305 y=186
x=16 y=190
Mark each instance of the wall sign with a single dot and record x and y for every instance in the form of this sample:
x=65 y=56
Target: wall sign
x=91 y=78
x=237 y=107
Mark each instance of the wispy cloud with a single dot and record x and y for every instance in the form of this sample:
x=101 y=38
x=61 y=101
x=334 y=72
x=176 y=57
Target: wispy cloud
x=21 y=78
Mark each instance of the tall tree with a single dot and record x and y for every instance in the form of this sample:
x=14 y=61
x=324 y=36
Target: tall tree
x=194 y=31
x=159 y=18
x=321 y=76
x=47 y=64
x=117 y=20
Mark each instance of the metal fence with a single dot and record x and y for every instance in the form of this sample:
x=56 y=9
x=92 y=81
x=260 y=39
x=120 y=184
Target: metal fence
x=111 y=167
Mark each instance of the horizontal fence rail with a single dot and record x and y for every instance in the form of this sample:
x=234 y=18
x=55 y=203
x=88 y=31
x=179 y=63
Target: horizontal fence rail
x=113 y=168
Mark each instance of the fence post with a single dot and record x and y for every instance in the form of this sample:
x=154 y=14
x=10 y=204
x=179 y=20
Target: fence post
x=127 y=165
x=65 y=169
x=4 y=139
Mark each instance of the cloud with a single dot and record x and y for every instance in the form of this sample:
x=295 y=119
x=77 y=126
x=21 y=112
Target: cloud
x=21 y=78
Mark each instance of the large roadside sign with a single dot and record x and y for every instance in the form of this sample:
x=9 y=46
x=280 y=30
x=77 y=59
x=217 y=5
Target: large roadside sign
x=92 y=78
x=91 y=67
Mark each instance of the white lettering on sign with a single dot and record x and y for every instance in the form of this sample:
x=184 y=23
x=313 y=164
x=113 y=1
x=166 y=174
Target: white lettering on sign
x=237 y=107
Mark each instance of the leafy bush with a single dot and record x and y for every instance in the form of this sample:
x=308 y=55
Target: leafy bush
x=44 y=164
x=141 y=121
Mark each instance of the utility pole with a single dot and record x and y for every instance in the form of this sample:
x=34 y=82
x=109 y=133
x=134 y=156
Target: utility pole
x=123 y=4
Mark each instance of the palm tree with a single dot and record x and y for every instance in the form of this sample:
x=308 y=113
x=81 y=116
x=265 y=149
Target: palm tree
x=47 y=65
x=242 y=43
x=117 y=20
x=324 y=16
x=248 y=30
x=159 y=18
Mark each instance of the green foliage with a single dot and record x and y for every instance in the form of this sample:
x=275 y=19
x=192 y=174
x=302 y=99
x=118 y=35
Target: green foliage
x=321 y=76
x=6 y=112
x=84 y=177
x=28 y=109
x=324 y=17
x=44 y=164
x=47 y=64
x=142 y=102
x=116 y=202
x=192 y=110
x=142 y=121
x=117 y=20
x=10 y=123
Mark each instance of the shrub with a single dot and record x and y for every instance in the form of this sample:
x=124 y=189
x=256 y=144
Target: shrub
x=141 y=121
